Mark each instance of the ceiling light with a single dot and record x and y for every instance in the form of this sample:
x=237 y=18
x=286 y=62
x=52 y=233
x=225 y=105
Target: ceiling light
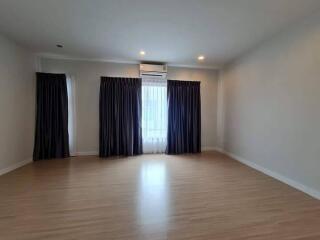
x=201 y=58
x=142 y=53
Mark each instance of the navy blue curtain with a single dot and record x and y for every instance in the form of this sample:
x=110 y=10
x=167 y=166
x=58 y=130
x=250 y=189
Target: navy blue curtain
x=184 y=117
x=51 y=136
x=120 y=117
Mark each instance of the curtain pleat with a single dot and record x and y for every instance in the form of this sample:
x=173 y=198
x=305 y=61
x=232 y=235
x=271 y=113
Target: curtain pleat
x=51 y=136
x=120 y=130
x=184 y=117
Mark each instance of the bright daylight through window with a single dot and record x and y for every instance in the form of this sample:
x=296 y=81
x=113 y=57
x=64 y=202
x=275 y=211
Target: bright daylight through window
x=154 y=114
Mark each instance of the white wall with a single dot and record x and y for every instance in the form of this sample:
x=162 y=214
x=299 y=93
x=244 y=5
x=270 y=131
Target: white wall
x=272 y=105
x=87 y=81
x=17 y=104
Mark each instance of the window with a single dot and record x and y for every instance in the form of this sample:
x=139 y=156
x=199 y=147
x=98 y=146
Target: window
x=154 y=114
x=71 y=115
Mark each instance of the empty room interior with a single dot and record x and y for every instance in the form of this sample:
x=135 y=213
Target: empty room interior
x=160 y=119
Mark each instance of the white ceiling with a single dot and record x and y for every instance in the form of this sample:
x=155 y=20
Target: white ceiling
x=172 y=31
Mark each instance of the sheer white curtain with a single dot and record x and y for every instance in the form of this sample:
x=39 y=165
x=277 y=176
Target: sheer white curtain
x=154 y=114
x=71 y=114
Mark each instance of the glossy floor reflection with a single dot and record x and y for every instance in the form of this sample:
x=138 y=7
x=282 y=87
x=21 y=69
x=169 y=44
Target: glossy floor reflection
x=152 y=197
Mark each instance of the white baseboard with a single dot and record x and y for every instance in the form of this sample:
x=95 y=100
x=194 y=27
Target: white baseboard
x=310 y=191
x=209 y=149
x=218 y=149
x=89 y=153
x=14 y=166
x=96 y=153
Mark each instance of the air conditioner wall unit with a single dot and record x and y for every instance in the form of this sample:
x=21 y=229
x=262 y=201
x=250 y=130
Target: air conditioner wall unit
x=153 y=70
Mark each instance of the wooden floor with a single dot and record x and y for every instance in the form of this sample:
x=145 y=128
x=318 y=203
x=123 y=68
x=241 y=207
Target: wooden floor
x=206 y=196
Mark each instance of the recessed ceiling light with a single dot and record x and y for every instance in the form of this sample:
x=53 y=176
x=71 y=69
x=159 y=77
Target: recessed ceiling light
x=201 y=58
x=59 y=46
x=142 y=53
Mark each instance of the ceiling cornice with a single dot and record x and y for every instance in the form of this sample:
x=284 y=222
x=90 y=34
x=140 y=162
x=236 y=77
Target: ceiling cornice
x=71 y=58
